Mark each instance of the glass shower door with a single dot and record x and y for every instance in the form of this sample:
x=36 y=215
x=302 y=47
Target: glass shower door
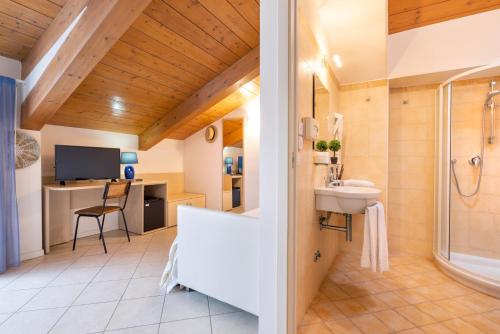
x=442 y=232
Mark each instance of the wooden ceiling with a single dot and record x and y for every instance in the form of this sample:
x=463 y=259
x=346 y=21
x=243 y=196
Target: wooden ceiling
x=176 y=67
x=172 y=50
x=232 y=132
x=410 y=14
x=22 y=22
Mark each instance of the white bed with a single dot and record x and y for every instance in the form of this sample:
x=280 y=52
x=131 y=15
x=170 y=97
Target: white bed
x=218 y=255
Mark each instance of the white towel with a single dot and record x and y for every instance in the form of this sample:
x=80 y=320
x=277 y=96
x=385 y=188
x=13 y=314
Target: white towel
x=170 y=277
x=375 y=254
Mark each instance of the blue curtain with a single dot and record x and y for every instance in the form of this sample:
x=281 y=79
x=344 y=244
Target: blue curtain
x=9 y=223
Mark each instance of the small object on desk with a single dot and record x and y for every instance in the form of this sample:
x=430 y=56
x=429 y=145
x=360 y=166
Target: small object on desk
x=129 y=159
x=229 y=163
x=240 y=165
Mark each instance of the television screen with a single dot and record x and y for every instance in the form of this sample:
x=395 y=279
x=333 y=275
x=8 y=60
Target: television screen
x=82 y=163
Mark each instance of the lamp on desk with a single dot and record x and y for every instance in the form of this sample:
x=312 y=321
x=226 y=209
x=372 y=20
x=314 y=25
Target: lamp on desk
x=129 y=159
x=229 y=164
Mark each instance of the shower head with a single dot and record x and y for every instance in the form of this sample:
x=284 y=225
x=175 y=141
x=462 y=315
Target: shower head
x=490 y=96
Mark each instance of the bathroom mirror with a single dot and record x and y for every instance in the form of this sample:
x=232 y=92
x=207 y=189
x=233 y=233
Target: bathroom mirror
x=233 y=169
x=321 y=109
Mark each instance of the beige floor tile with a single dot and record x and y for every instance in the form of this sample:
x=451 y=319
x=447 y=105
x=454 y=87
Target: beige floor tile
x=493 y=316
x=343 y=327
x=432 y=292
x=435 y=311
x=328 y=311
x=320 y=298
x=453 y=307
x=461 y=327
x=412 y=331
x=310 y=318
x=320 y=328
x=377 y=286
x=371 y=303
x=483 y=323
x=393 y=320
x=370 y=324
x=404 y=282
x=479 y=302
x=411 y=296
x=436 y=329
x=392 y=299
x=338 y=277
x=351 y=308
x=354 y=289
x=417 y=317
x=333 y=291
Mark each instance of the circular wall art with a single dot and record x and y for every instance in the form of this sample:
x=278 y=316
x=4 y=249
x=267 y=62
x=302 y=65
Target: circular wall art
x=27 y=150
x=211 y=134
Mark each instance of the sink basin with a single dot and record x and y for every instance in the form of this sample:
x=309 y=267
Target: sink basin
x=345 y=199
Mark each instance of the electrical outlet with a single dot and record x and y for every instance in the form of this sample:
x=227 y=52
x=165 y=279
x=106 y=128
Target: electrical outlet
x=317 y=255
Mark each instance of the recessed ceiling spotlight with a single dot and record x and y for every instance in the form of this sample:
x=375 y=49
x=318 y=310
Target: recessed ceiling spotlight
x=337 y=60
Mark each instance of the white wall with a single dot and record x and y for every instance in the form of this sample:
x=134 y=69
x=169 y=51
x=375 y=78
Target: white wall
x=203 y=161
x=29 y=205
x=165 y=157
x=28 y=183
x=251 y=147
x=203 y=166
x=275 y=20
x=456 y=44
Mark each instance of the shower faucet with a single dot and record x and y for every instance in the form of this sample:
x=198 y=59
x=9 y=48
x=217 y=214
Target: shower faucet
x=490 y=102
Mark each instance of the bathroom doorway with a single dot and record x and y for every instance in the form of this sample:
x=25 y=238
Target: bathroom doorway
x=233 y=165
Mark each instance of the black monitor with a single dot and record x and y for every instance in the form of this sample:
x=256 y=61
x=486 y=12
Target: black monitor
x=83 y=163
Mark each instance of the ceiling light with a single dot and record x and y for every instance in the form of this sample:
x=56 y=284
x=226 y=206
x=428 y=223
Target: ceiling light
x=337 y=60
x=246 y=89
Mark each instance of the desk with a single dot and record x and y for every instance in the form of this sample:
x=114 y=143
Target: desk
x=60 y=203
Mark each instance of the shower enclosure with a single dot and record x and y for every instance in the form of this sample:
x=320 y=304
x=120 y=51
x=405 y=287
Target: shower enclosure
x=467 y=229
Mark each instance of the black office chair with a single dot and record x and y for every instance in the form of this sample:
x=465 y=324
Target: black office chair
x=112 y=190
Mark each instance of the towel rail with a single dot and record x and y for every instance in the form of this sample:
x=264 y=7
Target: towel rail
x=347 y=229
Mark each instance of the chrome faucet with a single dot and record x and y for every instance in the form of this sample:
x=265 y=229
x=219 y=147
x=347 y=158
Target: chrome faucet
x=331 y=179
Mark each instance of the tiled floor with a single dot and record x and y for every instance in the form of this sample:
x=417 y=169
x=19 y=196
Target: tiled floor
x=413 y=297
x=87 y=291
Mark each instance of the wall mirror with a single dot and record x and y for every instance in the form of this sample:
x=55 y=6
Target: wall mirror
x=321 y=108
x=233 y=170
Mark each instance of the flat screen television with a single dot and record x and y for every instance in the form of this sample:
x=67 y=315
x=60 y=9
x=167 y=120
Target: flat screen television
x=83 y=163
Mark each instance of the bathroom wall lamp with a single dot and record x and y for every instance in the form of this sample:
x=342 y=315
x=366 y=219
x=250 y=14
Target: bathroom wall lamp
x=337 y=60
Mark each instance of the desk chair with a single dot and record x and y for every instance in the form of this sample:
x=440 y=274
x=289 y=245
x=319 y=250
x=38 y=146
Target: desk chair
x=112 y=190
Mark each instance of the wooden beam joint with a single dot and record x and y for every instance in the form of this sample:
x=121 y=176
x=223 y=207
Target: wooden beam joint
x=231 y=79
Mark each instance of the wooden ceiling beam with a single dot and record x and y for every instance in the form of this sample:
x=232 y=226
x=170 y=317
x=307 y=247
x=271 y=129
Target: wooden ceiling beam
x=231 y=79
x=102 y=24
x=67 y=14
x=233 y=138
x=410 y=14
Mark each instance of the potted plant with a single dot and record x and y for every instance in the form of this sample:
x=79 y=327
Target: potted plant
x=334 y=146
x=321 y=155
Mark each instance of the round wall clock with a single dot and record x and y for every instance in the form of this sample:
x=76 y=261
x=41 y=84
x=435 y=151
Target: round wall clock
x=27 y=150
x=210 y=134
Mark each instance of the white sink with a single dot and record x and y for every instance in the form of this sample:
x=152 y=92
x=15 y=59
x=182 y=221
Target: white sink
x=345 y=199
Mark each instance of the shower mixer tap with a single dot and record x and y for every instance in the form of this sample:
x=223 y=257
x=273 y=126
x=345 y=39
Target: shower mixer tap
x=475 y=161
x=492 y=93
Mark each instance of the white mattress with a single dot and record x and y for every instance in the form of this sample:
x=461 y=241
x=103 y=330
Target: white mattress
x=252 y=213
